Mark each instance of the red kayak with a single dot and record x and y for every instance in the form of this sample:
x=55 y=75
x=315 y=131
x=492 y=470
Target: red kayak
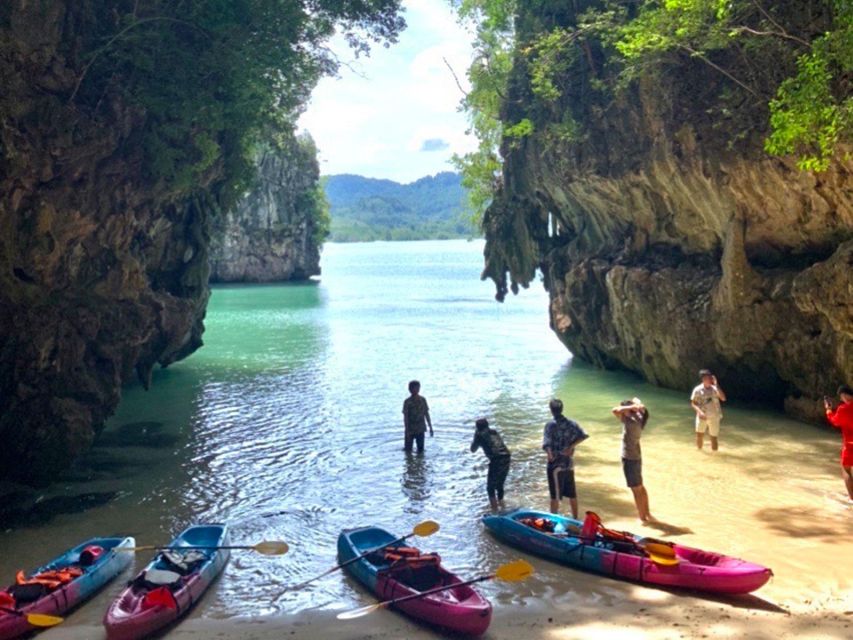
x=170 y=585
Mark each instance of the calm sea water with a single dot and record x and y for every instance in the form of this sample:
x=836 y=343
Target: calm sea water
x=287 y=425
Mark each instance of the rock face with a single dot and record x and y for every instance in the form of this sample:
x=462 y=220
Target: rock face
x=103 y=274
x=272 y=234
x=666 y=248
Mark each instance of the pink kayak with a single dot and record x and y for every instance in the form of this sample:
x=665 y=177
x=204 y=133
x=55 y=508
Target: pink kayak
x=559 y=539
x=170 y=585
x=94 y=563
x=460 y=609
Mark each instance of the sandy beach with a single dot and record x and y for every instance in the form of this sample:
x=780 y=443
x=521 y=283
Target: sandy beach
x=586 y=606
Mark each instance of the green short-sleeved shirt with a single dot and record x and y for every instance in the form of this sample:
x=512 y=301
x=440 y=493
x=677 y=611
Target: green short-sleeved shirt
x=415 y=410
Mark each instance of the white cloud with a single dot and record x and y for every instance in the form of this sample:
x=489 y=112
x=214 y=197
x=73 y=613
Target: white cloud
x=375 y=125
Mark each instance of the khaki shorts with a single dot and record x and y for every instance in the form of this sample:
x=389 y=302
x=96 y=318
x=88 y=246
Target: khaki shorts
x=711 y=424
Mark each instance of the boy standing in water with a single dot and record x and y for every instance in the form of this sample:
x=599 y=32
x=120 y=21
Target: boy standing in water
x=842 y=418
x=416 y=417
x=706 y=399
x=499 y=458
x=559 y=441
x=634 y=416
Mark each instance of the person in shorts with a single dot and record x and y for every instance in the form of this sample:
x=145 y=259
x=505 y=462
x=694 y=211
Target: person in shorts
x=633 y=416
x=499 y=458
x=559 y=441
x=416 y=418
x=705 y=400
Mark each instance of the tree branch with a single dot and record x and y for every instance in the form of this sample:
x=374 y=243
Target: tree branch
x=119 y=35
x=455 y=77
x=704 y=59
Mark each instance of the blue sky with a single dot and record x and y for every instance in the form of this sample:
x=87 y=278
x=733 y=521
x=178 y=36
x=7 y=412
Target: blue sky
x=397 y=117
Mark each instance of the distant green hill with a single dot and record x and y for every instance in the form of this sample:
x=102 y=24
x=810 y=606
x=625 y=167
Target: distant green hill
x=365 y=209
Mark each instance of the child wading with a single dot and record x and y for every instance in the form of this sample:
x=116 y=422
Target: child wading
x=499 y=459
x=706 y=399
x=559 y=441
x=416 y=417
x=634 y=416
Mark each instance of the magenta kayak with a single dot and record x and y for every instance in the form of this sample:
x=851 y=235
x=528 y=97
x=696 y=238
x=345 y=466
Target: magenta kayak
x=460 y=609
x=692 y=568
x=170 y=585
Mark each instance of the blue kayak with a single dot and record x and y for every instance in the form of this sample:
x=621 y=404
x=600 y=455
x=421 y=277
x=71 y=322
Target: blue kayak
x=626 y=557
x=97 y=561
x=170 y=585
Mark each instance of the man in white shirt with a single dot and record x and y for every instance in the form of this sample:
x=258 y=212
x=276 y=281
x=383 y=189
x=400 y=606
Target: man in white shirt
x=706 y=399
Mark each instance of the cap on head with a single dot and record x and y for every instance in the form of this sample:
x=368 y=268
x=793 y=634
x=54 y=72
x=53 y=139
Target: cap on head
x=482 y=423
x=414 y=385
x=847 y=390
x=556 y=406
x=705 y=373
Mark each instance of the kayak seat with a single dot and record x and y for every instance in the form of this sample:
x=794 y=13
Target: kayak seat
x=26 y=593
x=419 y=578
x=182 y=562
x=155 y=578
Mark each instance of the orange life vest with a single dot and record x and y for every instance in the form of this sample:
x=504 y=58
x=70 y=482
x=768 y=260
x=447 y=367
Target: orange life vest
x=411 y=557
x=50 y=579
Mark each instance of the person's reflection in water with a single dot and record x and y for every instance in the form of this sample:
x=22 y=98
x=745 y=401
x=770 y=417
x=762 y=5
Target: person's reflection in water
x=414 y=482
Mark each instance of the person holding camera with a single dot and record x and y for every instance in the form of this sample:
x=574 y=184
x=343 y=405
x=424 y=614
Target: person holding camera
x=706 y=399
x=842 y=418
x=633 y=415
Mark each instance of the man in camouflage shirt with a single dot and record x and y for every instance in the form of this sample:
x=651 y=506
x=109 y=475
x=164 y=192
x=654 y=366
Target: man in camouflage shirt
x=559 y=441
x=416 y=417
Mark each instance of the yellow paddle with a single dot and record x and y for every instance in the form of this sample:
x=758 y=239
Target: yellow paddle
x=509 y=572
x=422 y=530
x=267 y=547
x=659 y=553
x=36 y=619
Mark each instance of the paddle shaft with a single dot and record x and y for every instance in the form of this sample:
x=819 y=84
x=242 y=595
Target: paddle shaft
x=428 y=592
x=350 y=561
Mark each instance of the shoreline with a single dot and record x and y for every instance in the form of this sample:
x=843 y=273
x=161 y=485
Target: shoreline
x=611 y=610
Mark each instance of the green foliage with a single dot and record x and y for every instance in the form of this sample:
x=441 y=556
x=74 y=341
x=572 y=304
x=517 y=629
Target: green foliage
x=208 y=77
x=366 y=209
x=488 y=75
x=753 y=45
x=808 y=116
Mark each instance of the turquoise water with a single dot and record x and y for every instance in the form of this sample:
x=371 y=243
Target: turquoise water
x=287 y=425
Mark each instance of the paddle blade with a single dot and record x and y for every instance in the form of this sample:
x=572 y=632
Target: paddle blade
x=272 y=548
x=425 y=528
x=43 y=620
x=357 y=613
x=514 y=571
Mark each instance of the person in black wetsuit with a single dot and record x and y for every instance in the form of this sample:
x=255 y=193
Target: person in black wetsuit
x=499 y=458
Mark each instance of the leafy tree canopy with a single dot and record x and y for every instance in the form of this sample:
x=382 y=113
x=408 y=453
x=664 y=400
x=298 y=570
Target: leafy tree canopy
x=212 y=77
x=793 y=60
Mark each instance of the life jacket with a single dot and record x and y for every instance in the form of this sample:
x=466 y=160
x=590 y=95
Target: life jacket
x=593 y=527
x=52 y=579
x=409 y=557
x=159 y=597
x=545 y=525
x=7 y=600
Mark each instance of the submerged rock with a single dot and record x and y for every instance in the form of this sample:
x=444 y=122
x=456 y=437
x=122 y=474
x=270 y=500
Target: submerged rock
x=274 y=232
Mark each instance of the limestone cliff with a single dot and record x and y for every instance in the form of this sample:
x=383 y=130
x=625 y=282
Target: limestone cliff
x=103 y=272
x=668 y=244
x=273 y=233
